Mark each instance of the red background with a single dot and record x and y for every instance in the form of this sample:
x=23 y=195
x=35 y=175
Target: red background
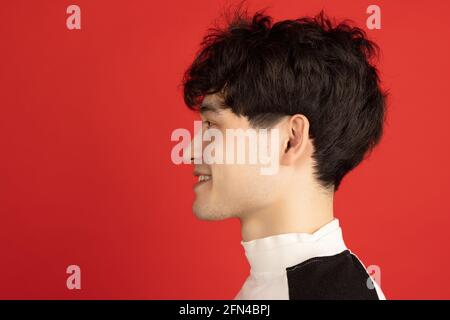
x=86 y=176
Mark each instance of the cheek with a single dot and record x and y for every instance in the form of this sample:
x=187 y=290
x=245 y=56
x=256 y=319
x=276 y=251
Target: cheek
x=239 y=179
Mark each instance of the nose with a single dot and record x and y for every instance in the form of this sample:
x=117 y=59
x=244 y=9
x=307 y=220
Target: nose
x=193 y=152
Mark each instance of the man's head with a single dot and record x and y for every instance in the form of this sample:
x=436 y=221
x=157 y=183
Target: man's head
x=310 y=79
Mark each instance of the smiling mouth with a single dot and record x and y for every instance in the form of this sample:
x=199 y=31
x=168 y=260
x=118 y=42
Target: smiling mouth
x=202 y=179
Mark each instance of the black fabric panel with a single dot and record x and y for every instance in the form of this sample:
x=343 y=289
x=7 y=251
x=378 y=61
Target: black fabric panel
x=338 y=277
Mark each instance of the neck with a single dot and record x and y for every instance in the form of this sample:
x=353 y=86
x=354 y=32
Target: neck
x=297 y=212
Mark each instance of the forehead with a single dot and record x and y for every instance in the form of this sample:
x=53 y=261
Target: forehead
x=214 y=106
x=212 y=103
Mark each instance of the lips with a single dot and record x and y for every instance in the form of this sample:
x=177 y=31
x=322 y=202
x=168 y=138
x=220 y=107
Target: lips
x=202 y=178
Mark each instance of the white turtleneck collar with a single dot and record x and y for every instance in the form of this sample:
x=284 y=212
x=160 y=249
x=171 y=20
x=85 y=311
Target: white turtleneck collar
x=270 y=257
x=276 y=253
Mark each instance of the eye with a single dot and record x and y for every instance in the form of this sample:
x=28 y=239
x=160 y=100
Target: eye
x=207 y=123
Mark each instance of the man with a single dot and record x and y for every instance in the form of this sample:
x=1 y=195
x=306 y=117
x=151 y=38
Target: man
x=313 y=82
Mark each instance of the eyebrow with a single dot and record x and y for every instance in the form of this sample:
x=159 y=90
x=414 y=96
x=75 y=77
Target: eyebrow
x=208 y=106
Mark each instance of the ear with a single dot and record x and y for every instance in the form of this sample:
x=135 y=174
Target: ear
x=295 y=140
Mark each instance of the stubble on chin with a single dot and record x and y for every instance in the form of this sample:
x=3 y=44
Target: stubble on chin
x=209 y=213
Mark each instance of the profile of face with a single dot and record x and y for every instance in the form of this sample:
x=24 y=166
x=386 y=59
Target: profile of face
x=234 y=189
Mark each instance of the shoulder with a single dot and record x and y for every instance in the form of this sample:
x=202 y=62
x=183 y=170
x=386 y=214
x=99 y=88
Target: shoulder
x=341 y=276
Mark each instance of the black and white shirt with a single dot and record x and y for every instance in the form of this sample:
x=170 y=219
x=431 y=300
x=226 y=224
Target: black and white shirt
x=295 y=266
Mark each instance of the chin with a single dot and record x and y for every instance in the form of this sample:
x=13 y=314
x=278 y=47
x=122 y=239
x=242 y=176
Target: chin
x=204 y=212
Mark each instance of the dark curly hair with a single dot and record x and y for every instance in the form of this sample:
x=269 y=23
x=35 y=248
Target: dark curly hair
x=308 y=66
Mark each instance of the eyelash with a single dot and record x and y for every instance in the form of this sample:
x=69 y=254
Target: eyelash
x=208 y=123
